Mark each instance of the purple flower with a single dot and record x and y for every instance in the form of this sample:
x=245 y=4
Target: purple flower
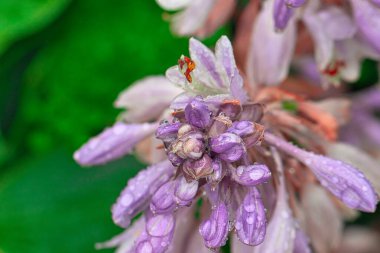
x=218 y=148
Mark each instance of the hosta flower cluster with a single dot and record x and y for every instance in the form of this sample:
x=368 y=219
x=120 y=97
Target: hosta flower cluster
x=228 y=164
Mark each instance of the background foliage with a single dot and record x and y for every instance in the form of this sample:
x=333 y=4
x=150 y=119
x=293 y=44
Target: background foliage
x=62 y=64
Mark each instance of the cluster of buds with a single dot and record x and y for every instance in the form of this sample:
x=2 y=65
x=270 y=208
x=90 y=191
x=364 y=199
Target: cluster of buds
x=199 y=141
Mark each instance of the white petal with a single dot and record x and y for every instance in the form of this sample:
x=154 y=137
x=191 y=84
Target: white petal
x=147 y=98
x=323 y=221
x=171 y=5
x=271 y=52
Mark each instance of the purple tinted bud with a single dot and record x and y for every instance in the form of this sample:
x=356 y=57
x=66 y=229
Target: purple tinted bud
x=220 y=124
x=215 y=229
x=175 y=159
x=228 y=146
x=250 y=219
x=134 y=198
x=163 y=199
x=168 y=132
x=251 y=175
x=231 y=108
x=282 y=14
x=341 y=179
x=185 y=191
x=190 y=145
x=294 y=3
x=112 y=143
x=198 y=114
x=196 y=169
x=252 y=112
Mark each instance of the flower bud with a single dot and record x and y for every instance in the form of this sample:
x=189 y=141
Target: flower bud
x=167 y=132
x=228 y=146
x=198 y=114
x=231 y=108
x=196 y=169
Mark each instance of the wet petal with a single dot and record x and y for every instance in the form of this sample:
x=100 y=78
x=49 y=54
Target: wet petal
x=343 y=180
x=250 y=219
x=224 y=54
x=158 y=234
x=206 y=63
x=367 y=18
x=214 y=230
x=168 y=131
x=175 y=76
x=163 y=199
x=228 y=146
x=112 y=143
x=252 y=112
x=198 y=114
x=185 y=191
x=251 y=133
x=271 y=52
x=324 y=224
x=134 y=198
x=251 y=175
x=160 y=92
x=218 y=173
x=359 y=159
x=294 y=3
x=171 y=5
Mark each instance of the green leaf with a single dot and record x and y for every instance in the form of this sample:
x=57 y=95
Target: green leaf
x=21 y=18
x=53 y=205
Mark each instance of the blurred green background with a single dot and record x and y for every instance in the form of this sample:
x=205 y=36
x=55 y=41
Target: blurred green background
x=62 y=64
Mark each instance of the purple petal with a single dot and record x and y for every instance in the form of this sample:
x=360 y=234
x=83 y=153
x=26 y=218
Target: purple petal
x=112 y=143
x=230 y=108
x=158 y=234
x=175 y=76
x=134 y=198
x=168 y=131
x=185 y=191
x=205 y=62
x=219 y=125
x=228 y=146
x=163 y=199
x=343 y=180
x=181 y=101
x=301 y=243
x=271 y=52
x=367 y=18
x=215 y=229
x=251 y=175
x=282 y=14
x=250 y=219
x=198 y=114
x=160 y=92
